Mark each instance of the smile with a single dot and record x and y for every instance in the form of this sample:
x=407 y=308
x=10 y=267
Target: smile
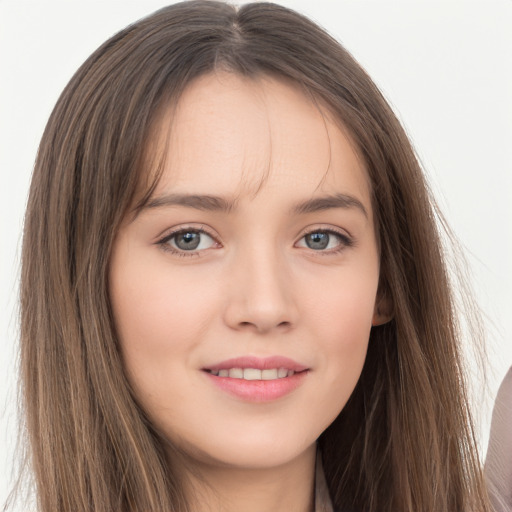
x=253 y=373
x=256 y=379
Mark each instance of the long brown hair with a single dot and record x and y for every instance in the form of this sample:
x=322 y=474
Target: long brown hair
x=403 y=442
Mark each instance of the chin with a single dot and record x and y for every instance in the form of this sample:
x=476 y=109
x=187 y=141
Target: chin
x=247 y=451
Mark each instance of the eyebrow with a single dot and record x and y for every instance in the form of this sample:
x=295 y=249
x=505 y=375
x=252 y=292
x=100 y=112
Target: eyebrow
x=329 y=202
x=221 y=204
x=196 y=201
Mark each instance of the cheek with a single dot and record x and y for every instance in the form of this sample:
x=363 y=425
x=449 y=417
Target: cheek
x=342 y=307
x=340 y=321
x=159 y=319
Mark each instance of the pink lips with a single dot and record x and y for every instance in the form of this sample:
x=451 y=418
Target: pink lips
x=259 y=363
x=258 y=390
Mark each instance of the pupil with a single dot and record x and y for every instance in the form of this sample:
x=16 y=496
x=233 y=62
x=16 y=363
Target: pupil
x=317 y=240
x=188 y=241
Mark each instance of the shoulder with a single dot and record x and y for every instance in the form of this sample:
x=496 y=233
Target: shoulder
x=498 y=464
x=502 y=413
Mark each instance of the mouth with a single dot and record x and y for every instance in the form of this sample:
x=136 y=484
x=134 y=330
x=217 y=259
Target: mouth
x=253 y=373
x=257 y=379
x=256 y=368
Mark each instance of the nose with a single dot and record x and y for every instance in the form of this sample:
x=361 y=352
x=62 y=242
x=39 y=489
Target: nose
x=260 y=296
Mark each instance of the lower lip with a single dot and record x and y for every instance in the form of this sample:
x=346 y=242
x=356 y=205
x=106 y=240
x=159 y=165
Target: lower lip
x=258 y=390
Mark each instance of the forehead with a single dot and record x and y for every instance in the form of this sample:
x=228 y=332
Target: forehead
x=236 y=136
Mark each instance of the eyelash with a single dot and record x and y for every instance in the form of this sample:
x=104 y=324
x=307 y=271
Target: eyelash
x=345 y=241
x=165 y=246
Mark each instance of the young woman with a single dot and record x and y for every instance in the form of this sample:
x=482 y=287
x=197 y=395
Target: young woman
x=233 y=289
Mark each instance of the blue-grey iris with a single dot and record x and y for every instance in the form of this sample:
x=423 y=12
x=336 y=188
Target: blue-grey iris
x=317 y=240
x=188 y=240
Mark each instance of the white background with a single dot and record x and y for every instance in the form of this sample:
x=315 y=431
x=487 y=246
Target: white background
x=446 y=68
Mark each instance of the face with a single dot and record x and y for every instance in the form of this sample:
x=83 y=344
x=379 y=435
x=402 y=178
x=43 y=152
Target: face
x=244 y=292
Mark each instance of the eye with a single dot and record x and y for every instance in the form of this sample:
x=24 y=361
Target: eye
x=325 y=240
x=187 y=240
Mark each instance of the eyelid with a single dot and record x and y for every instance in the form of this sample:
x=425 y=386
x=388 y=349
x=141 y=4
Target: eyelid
x=163 y=240
x=346 y=239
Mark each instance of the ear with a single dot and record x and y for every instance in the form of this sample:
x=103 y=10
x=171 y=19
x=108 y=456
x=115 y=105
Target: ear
x=383 y=311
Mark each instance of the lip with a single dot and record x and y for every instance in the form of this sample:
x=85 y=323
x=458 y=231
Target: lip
x=260 y=363
x=258 y=391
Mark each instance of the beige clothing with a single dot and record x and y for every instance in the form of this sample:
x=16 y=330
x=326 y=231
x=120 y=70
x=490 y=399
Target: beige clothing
x=322 y=498
x=498 y=464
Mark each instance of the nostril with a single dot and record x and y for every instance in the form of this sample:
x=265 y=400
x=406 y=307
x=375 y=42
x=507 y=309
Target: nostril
x=264 y=326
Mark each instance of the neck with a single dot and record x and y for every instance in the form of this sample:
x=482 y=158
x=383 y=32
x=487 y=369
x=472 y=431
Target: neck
x=227 y=489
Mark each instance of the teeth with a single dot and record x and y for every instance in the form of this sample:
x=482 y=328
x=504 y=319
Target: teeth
x=268 y=374
x=254 y=373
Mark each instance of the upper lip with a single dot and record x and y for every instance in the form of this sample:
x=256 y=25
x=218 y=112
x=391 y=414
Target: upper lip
x=260 y=363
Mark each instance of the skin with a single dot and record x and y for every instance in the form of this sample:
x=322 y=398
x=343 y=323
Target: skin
x=253 y=287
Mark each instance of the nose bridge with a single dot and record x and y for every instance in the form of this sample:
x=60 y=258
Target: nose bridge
x=261 y=295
